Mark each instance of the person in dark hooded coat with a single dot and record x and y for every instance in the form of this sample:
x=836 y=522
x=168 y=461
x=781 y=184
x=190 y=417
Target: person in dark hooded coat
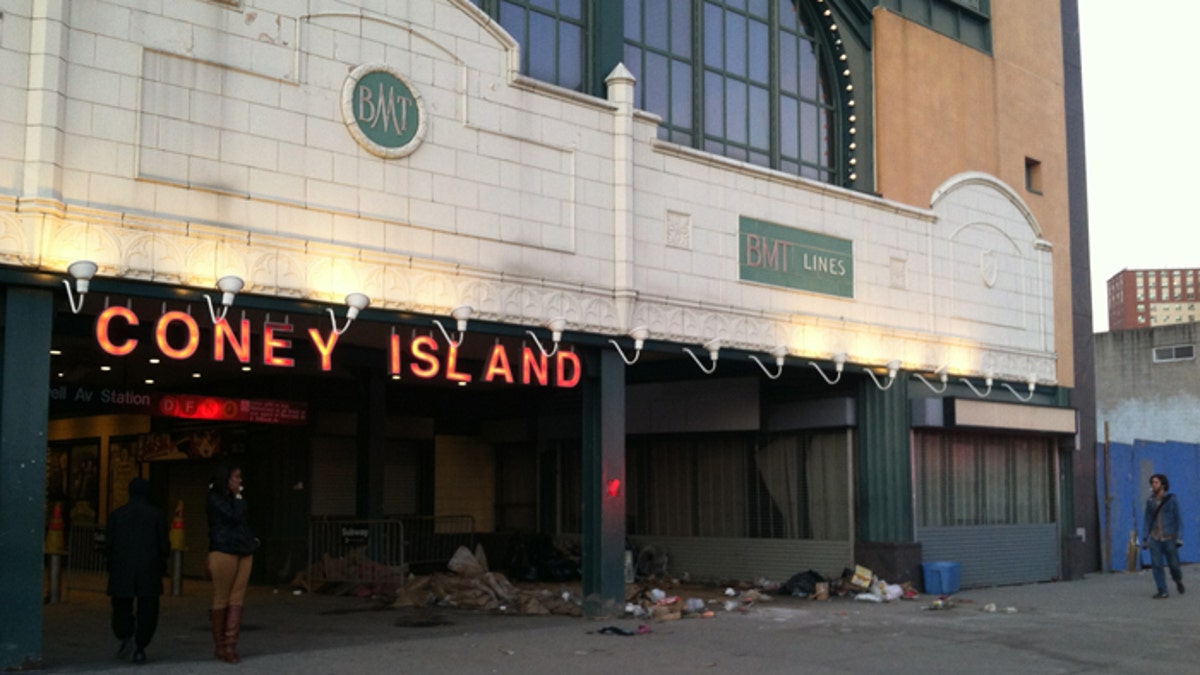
x=137 y=549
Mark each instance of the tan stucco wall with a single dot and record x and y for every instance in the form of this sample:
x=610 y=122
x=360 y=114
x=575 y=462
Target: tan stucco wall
x=943 y=108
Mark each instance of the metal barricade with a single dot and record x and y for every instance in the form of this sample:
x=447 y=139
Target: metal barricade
x=430 y=541
x=87 y=564
x=355 y=552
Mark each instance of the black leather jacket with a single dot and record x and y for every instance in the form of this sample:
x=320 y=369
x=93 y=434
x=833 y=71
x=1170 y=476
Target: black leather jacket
x=229 y=524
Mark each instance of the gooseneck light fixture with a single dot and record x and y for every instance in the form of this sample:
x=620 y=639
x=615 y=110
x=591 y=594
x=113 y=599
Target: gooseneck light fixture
x=893 y=367
x=639 y=335
x=356 y=302
x=942 y=377
x=82 y=272
x=1031 y=382
x=985 y=392
x=780 y=353
x=229 y=286
x=713 y=347
x=460 y=315
x=839 y=364
x=556 y=326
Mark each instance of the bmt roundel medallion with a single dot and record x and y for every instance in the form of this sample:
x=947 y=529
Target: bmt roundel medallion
x=382 y=111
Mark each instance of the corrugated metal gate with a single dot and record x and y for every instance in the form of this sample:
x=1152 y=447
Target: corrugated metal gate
x=992 y=555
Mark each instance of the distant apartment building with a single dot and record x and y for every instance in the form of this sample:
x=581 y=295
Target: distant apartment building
x=1159 y=297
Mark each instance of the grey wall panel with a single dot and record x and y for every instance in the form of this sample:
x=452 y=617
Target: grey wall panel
x=995 y=554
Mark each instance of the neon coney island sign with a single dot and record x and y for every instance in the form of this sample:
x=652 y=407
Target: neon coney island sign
x=177 y=337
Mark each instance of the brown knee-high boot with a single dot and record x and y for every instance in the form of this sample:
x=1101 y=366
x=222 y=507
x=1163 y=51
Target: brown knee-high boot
x=218 y=617
x=233 y=629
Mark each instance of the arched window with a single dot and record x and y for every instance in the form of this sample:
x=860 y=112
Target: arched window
x=752 y=83
x=760 y=81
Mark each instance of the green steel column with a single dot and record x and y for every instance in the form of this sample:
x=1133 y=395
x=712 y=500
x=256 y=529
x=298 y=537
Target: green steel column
x=604 y=488
x=884 y=466
x=27 y=317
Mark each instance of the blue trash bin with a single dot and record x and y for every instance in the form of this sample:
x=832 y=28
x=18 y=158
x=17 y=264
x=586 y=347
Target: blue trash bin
x=941 y=578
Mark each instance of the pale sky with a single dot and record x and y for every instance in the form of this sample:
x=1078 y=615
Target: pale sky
x=1138 y=71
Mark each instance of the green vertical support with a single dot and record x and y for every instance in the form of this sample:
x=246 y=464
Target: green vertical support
x=608 y=44
x=604 y=488
x=372 y=444
x=884 y=499
x=27 y=316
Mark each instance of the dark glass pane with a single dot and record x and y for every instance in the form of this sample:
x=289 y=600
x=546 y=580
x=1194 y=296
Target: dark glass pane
x=789 y=167
x=714 y=36
x=823 y=90
x=715 y=147
x=656 y=86
x=810 y=172
x=808 y=70
x=544 y=4
x=735 y=44
x=734 y=152
x=512 y=18
x=760 y=159
x=681 y=137
x=541 y=47
x=735 y=111
x=760 y=118
x=759 y=8
x=681 y=94
x=809 y=120
x=760 y=62
x=633 y=20
x=665 y=133
x=681 y=27
x=633 y=61
x=570 y=56
x=787 y=63
x=572 y=9
x=789 y=139
x=736 y=4
x=714 y=108
x=656 y=24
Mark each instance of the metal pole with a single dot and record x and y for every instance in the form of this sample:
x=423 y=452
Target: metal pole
x=1107 y=507
x=55 y=578
x=176 y=573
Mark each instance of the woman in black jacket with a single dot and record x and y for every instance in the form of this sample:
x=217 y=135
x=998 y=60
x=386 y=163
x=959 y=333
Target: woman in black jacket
x=231 y=547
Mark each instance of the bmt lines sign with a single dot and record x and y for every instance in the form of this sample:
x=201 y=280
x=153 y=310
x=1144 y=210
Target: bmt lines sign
x=784 y=256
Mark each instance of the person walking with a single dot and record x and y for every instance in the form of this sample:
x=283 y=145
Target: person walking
x=136 y=547
x=1163 y=528
x=231 y=545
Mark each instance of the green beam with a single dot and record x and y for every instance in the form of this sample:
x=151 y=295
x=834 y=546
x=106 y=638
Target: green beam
x=884 y=498
x=27 y=316
x=604 y=470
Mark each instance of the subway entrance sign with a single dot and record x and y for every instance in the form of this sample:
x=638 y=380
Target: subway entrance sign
x=785 y=256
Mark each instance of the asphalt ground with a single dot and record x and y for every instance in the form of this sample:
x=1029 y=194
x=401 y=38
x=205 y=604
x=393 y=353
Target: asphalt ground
x=1102 y=623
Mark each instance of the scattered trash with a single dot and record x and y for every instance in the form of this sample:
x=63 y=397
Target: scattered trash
x=868 y=597
x=693 y=605
x=613 y=630
x=730 y=593
x=990 y=608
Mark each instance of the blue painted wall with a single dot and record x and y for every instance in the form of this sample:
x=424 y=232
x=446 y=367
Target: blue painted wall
x=1129 y=471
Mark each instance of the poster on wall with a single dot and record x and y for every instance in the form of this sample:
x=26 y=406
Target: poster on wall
x=73 y=482
x=122 y=468
x=195 y=444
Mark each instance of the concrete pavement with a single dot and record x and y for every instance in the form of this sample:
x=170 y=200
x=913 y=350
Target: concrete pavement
x=1102 y=623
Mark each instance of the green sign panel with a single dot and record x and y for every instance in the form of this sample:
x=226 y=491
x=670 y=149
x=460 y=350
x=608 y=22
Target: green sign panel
x=784 y=256
x=382 y=112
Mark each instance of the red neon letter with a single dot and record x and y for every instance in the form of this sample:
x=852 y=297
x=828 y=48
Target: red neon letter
x=160 y=335
x=560 y=378
x=325 y=349
x=223 y=333
x=271 y=343
x=394 y=355
x=498 y=365
x=421 y=350
x=452 y=373
x=102 y=338
x=533 y=366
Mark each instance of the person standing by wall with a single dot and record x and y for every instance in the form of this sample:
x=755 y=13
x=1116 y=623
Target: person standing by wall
x=231 y=546
x=1163 y=528
x=136 y=547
